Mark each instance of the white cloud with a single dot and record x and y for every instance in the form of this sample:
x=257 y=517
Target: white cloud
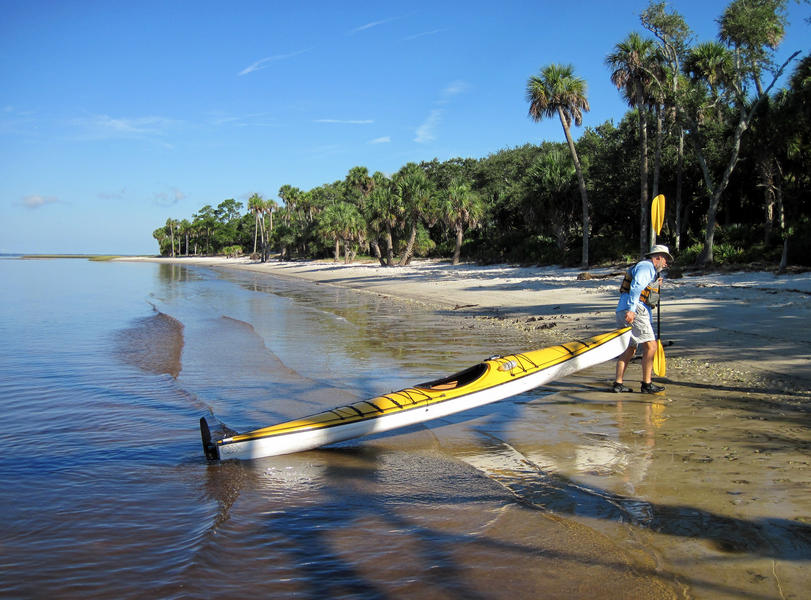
x=36 y=201
x=423 y=34
x=371 y=25
x=381 y=140
x=454 y=88
x=263 y=63
x=118 y=195
x=221 y=119
x=104 y=127
x=169 y=197
x=346 y=121
x=125 y=126
x=426 y=132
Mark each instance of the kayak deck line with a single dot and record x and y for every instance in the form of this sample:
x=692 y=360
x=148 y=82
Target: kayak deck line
x=496 y=378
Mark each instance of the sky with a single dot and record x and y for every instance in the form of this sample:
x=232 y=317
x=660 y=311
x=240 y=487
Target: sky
x=116 y=115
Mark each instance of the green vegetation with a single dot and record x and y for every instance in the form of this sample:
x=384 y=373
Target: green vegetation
x=704 y=128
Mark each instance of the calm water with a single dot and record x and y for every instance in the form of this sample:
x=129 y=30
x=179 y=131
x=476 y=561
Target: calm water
x=106 y=368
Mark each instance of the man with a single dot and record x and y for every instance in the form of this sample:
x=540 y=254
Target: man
x=638 y=296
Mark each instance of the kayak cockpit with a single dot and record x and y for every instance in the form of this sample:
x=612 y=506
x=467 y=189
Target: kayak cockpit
x=457 y=380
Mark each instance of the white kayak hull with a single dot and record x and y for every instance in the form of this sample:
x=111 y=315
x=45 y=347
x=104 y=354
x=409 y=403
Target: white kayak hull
x=490 y=381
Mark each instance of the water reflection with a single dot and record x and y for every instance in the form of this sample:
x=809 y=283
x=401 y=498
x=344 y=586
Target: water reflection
x=549 y=488
x=366 y=522
x=174 y=272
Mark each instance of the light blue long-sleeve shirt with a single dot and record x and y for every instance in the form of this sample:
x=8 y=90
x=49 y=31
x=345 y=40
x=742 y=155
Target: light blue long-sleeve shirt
x=643 y=274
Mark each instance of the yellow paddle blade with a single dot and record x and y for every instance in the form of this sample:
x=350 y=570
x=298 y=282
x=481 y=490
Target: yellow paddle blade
x=657 y=213
x=659 y=364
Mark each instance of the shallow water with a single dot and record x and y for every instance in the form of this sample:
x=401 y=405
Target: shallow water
x=106 y=369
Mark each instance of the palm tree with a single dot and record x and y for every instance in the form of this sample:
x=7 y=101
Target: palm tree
x=160 y=235
x=328 y=228
x=711 y=63
x=384 y=209
x=358 y=182
x=271 y=206
x=558 y=91
x=359 y=186
x=185 y=229
x=290 y=196
x=267 y=207
x=256 y=205
x=352 y=229
x=204 y=222
x=171 y=225
x=459 y=207
x=630 y=65
x=415 y=194
x=342 y=222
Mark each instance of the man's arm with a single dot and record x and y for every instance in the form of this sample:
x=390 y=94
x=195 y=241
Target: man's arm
x=643 y=274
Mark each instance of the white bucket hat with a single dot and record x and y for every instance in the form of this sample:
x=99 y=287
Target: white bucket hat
x=660 y=249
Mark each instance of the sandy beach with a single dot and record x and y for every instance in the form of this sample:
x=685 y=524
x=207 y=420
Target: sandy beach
x=720 y=461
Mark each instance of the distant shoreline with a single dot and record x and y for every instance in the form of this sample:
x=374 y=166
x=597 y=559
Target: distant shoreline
x=94 y=257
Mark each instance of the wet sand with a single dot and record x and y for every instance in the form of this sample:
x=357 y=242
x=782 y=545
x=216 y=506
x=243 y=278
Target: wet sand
x=708 y=484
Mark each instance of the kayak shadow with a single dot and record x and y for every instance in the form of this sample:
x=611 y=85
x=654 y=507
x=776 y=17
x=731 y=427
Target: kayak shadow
x=367 y=493
x=341 y=519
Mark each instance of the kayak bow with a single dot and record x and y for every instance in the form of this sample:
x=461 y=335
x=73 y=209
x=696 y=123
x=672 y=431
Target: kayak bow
x=496 y=378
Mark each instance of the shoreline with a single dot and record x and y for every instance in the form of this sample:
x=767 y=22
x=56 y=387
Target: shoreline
x=748 y=328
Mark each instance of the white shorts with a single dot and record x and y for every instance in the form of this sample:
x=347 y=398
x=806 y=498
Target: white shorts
x=641 y=328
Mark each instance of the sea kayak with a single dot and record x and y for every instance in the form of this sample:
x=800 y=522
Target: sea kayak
x=494 y=379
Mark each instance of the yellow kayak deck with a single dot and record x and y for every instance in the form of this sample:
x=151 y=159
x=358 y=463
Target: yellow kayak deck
x=491 y=373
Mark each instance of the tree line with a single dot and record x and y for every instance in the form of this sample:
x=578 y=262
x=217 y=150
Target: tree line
x=705 y=127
